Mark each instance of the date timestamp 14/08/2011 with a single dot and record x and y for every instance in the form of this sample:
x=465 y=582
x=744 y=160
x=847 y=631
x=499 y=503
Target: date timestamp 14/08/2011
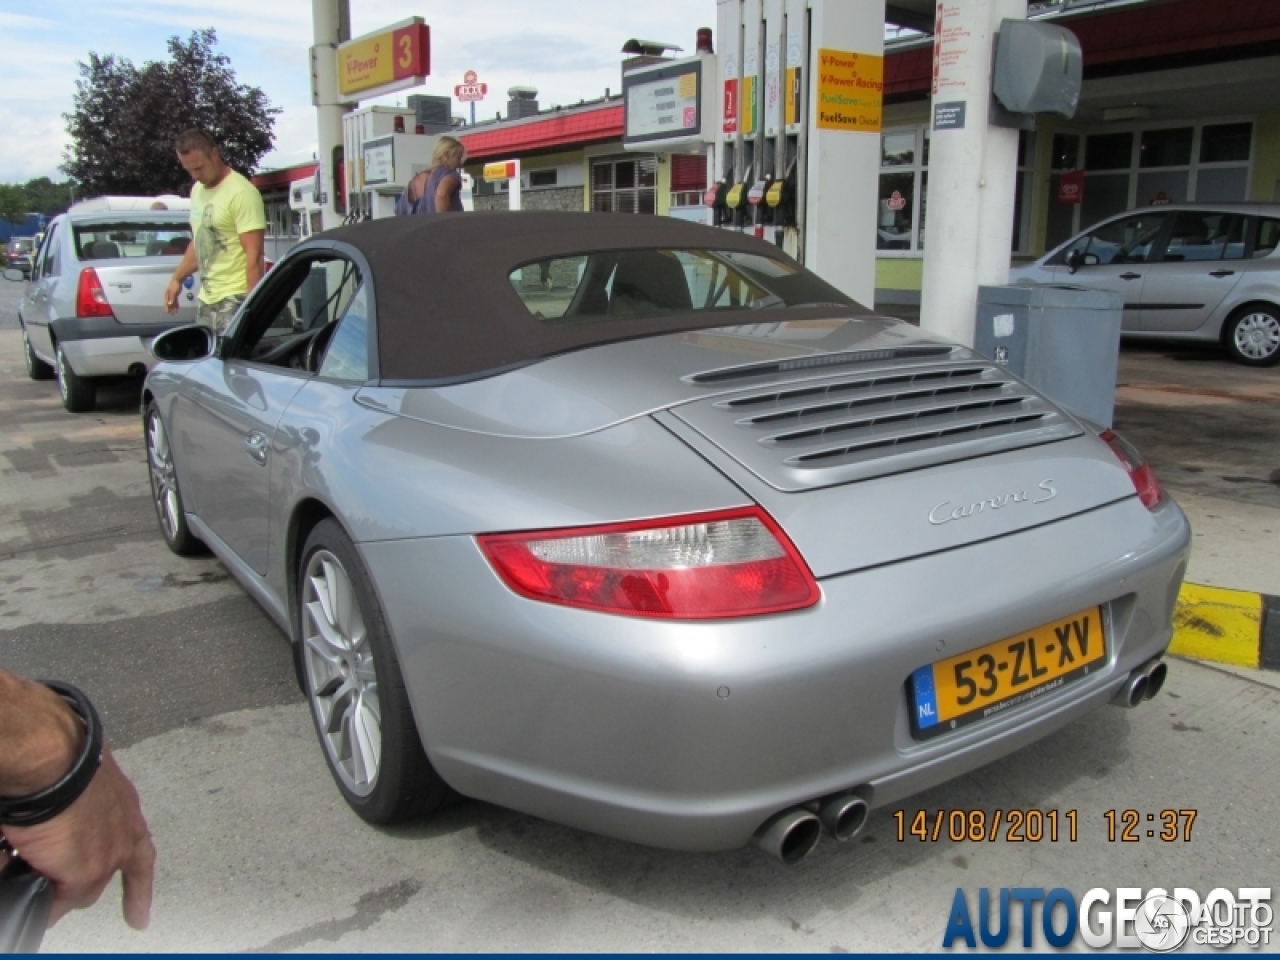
x=1034 y=826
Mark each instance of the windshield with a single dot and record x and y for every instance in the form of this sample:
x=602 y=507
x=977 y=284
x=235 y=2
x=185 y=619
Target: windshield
x=617 y=284
x=131 y=238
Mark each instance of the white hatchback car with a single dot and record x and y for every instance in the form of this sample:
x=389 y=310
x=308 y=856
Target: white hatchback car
x=1186 y=271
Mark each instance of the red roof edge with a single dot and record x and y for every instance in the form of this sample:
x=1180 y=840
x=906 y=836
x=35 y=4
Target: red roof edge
x=568 y=129
x=275 y=179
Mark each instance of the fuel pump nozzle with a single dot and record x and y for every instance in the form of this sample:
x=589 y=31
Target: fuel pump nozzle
x=736 y=200
x=780 y=197
x=756 y=197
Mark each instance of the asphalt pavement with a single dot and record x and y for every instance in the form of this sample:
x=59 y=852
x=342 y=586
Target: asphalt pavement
x=258 y=852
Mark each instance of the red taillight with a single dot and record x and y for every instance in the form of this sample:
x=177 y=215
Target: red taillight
x=729 y=563
x=91 y=299
x=1140 y=472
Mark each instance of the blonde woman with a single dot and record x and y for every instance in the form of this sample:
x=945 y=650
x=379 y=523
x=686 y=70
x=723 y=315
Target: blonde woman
x=437 y=189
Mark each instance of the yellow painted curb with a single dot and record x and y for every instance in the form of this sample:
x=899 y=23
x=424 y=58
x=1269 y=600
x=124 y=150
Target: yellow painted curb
x=1210 y=623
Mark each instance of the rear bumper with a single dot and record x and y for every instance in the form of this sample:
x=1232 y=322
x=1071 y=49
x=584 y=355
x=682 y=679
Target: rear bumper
x=690 y=735
x=104 y=347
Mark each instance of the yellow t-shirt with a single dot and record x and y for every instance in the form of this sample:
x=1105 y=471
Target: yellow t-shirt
x=218 y=216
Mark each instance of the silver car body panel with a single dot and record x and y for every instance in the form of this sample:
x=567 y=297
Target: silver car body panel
x=134 y=288
x=618 y=724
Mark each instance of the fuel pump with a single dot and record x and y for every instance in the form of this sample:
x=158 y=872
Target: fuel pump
x=801 y=88
x=780 y=198
x=761 y=212
x=736 y=201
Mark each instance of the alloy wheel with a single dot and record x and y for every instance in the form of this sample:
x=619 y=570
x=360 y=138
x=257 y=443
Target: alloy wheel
x=164 y=487
x=60 y=367
x=1257 y=335
x=341 y=681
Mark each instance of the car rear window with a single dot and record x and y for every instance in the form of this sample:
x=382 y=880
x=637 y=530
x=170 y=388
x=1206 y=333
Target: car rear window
x=20 y=246
x=131 y=239
x=606 y=286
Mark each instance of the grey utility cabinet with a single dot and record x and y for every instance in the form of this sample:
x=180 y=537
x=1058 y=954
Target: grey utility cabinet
x=1063 y=340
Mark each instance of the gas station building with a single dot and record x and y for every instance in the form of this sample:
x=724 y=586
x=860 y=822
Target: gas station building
x=1179 y=103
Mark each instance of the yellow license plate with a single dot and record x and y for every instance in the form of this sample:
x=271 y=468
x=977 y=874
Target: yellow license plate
x=983 y=682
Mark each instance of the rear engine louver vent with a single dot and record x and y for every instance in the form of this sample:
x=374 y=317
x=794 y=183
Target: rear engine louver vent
x=774 y=367
x=889 y=420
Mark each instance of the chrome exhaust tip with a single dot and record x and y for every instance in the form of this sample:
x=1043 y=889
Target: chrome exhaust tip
x=790 y=836
x=1133 y=692
x=1155 y=678
x=843 y=816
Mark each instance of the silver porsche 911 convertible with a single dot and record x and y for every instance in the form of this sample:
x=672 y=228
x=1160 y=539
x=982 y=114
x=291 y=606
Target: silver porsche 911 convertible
x=639 y=526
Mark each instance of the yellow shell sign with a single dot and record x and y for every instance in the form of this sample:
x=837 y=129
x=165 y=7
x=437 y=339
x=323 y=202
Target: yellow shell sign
x=850 y=91
x=394 y=58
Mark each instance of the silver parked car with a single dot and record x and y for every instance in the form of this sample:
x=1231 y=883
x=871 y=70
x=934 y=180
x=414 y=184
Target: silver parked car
x=1186 y=271
x=682 y=547
x=95 y=299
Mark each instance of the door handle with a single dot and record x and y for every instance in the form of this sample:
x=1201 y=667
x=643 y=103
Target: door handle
x=1130 y=276
x=1222 y=273
x=256 y=444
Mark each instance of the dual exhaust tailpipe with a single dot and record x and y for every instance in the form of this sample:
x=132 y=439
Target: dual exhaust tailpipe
x=792 y=835
x=1143 y=684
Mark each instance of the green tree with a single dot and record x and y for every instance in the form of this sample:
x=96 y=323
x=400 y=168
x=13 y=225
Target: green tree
x=45 y=196
x=13 y=203
x=125 y=118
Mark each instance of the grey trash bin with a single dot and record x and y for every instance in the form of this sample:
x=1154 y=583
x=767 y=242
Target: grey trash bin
x=1063 y=340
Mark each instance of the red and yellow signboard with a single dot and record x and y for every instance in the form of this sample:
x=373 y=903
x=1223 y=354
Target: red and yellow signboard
x=395 y=57
x=850 y=91
x=501 y=170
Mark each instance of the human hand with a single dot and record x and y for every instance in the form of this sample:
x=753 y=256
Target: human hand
x=81 y=849
x=171 y=294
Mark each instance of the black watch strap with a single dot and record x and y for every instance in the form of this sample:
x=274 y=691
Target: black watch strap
x=46 y=804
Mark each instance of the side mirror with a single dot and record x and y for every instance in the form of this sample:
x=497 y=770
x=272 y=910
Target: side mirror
x=184 y=344
x=1074 y=259
x=13 y=273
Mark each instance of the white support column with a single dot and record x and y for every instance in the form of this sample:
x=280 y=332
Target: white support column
x=841 y=183
x=331 y=23
x=972 y=169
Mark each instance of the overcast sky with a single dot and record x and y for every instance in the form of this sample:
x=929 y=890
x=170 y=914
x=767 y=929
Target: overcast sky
x=568 y=49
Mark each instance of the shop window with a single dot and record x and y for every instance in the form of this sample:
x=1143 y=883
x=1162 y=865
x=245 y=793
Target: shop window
x=1165 y=148
x=688 y=179
x=903 y=182
x=897 y=196
x=1108 y=151
x=1022 y=192
x=624 y=184
x=1226 y=143
x=1066 y=151
x=898 y=149
x=542 y=178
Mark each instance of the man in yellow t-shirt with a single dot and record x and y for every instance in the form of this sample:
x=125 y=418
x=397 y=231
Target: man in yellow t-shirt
x=228 y=223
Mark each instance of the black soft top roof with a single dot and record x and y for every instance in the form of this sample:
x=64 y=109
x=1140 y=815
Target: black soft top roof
x=446 y=309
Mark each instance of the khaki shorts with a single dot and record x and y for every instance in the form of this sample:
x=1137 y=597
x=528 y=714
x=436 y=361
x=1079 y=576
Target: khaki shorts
x=218 y=315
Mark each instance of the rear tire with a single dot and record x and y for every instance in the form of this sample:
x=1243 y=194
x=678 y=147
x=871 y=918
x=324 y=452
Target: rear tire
x=37 y=369
x=1252 y=335
x=352 y=680
x=79 y=394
